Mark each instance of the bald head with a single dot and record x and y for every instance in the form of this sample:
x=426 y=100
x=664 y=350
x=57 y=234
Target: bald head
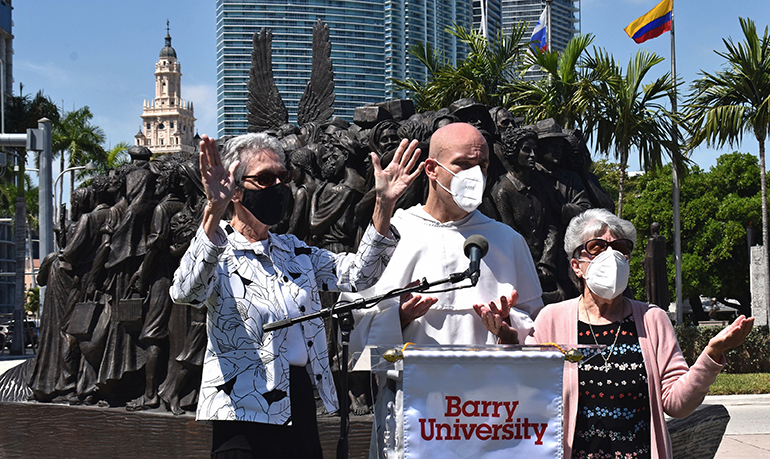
x=456 y=135
x=457 y=147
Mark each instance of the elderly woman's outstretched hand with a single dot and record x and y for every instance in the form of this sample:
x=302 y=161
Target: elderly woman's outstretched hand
x=732 y=336
x=497 y=320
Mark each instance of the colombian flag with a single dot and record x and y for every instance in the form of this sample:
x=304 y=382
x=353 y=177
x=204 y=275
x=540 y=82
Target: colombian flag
x=652 y=24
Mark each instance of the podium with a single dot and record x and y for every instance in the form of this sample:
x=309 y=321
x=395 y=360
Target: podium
x=467 y=401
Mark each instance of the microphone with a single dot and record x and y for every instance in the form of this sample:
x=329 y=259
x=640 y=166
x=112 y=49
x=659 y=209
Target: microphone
x=475 y=248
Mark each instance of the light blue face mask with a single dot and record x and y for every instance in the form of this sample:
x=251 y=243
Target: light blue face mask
x=467 y=187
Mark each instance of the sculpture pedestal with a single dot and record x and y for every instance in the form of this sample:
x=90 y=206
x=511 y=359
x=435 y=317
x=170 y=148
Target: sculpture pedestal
x=50 y=430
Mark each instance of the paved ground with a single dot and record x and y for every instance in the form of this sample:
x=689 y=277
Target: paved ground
x=747 y=435
x=748 y=432
x=9 y=361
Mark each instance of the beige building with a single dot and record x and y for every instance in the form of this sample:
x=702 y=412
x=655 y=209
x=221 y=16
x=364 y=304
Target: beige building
x=168 y=123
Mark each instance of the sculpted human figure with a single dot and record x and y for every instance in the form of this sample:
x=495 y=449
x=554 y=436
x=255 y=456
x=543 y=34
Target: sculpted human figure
x=577 y=158
x=303 y=185
x=332 y=218
x=550 y=147
x=89 y=245
x=153 y=279
x=126 y=250
x=384 y=137
x=526 y=202
x=187 y=326
x=655 y=271
x=503 y=119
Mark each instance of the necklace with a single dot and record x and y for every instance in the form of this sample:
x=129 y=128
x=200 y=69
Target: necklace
x=606 y=366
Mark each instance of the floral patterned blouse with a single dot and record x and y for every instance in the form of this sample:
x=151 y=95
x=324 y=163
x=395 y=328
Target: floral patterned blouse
x=613 y=419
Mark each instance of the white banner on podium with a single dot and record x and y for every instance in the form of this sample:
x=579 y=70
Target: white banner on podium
x=482 y=404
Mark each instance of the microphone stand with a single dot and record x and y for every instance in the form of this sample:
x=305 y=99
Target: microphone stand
x=344 y=314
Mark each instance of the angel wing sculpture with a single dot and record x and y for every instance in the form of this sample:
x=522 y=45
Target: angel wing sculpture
x=316 y=102
x=266 y=108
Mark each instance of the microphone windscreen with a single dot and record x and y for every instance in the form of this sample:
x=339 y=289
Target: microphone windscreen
x=478 y=241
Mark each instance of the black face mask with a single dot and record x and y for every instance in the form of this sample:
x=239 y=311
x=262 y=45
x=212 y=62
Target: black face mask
x=268 y=205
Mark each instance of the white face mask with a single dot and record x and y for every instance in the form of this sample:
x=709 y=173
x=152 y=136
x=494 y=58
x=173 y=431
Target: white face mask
x=607 y=274
x=467 y=187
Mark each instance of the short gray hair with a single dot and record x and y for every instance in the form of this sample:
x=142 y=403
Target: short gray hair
x=239 y=149
x=593 y=223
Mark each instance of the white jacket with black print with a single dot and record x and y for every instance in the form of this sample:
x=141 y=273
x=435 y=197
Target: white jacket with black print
x=245 y=372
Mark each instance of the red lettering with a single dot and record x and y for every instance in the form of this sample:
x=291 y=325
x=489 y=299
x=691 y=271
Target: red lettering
x=539 y=432
x=448 y=429
x=508 y=430
x=452 y=406
x=466 y=433
x=485 y=404
x=496 y=435
x=422 y=429
x=483 y=432
x=526 y=429
x=510 y=408
x=474 y=404
x=497 y=407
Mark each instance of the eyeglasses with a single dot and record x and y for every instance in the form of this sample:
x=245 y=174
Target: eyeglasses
x=596 y=246
x=265 y=179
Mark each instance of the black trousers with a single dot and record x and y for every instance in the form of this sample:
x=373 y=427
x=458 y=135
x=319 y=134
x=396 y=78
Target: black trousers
x=247 y=440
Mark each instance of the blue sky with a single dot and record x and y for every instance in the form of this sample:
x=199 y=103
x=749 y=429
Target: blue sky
x=103 y=53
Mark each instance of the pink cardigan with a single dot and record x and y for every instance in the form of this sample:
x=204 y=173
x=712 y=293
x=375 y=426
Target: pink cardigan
x=674 y=388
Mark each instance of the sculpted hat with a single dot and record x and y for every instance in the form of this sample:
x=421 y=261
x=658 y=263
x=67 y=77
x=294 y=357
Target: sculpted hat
x=548 y=128
x=139 y=153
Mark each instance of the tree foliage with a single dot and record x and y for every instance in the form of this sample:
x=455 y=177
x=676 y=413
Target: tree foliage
x=725 y=104
x=79 y=138
x=481 y=75
x=628 y=114
x=717 y=206
x=23 y=112
x=8 y=193
x=565 y=94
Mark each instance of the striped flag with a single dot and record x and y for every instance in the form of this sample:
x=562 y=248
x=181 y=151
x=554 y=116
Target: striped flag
x=539 y=38
x=654 y=23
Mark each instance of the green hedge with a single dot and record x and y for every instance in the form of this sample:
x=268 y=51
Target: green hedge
x=753 y=356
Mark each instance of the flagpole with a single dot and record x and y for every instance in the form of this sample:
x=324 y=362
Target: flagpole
x=675 y=175
x=548 y=46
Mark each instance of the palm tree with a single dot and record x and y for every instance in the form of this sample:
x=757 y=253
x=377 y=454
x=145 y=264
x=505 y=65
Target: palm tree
x=629 y=114
x=81 y=140
x=22 y=112
x=486 y=69
x=725 y=104
x=565 y=94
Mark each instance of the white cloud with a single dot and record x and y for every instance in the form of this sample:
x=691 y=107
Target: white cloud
x=48 y=71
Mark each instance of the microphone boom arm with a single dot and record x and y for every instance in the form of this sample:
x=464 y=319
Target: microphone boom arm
x=365 y=303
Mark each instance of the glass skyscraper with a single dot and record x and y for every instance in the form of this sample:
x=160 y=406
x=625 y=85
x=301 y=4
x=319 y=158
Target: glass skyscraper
x=487 y=17
x=563 y=18
x=369 y=41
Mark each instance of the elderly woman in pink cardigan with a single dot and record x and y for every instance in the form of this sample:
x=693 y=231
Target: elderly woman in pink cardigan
x=614 y=402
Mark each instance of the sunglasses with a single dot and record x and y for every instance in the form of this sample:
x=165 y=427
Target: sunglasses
x=265 y=179
x=596 y=246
